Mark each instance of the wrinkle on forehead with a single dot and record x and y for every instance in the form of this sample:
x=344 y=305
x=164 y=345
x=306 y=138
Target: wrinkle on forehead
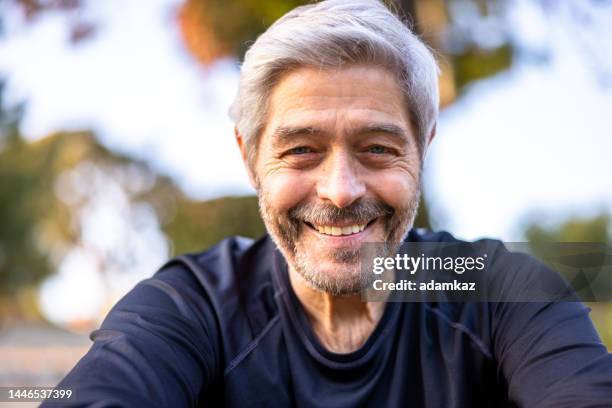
x=351 y=96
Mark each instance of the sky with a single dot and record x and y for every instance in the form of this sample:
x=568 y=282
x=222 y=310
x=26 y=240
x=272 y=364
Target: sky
x=533 y=141
x=135 y=85
x=492 y=172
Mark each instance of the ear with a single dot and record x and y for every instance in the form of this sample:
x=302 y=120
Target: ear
x=245 y=157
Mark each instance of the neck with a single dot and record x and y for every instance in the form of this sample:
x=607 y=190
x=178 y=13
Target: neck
x=342 y=323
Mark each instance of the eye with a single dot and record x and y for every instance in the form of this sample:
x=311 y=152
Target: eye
x=378 y=149
x=300 y=150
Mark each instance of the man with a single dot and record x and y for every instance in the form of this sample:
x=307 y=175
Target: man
x=336 y=108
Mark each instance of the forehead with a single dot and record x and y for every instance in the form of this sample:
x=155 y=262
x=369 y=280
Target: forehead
x=336 y=99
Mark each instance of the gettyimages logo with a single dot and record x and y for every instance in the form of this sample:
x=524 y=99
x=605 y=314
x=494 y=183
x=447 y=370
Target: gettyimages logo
x=488 y=271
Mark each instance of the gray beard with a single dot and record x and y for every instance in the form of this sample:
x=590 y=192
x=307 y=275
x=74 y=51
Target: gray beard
x=285 y=230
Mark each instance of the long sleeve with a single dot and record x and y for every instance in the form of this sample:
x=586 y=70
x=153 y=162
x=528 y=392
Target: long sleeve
x=549 y=352
x=156 y=348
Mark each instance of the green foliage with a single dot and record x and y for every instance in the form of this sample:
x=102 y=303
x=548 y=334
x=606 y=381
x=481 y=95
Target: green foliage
x=238 y=22
x=198 y=225
x=475 y=64
x=39 y=226
x=21 y=203
x=221 y=28
x=228 y=27
x=594 y=229
x=20 y=260
x=35 y=222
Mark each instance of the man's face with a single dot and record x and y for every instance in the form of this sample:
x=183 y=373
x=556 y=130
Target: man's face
x=337 y=166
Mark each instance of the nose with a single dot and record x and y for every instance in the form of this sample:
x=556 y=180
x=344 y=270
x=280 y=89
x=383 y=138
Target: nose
x=340 y=182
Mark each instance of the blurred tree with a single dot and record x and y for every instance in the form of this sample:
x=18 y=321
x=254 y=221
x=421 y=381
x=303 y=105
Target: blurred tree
x=223 y=28
x=34 y=8
x=215 y=29
x=461 y=30
x=595 y=229
x=37 y=226
x=79 y=28
x=198 y=225
x=475 y=63
x=20 y=261
x=50 y=190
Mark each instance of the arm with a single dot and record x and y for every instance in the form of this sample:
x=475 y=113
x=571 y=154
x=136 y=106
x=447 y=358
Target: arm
x=156 y=348
x=549 y=352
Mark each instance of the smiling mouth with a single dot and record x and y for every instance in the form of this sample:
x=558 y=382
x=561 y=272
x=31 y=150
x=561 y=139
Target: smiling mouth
x=337 y=230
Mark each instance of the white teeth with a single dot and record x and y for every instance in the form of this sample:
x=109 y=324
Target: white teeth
x=337 y=231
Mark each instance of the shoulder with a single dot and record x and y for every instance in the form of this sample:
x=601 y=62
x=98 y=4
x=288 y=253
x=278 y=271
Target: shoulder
x=214 y=269
x=425 y=235
x=193 y=288
x=456 y=320
x=234 y=279
x=506 y=271
x=493 y=249
x=235 y=267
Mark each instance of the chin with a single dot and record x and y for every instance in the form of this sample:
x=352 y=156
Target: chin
x=329 y=275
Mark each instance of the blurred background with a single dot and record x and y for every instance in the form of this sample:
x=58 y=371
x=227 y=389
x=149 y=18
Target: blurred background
x=116 y=150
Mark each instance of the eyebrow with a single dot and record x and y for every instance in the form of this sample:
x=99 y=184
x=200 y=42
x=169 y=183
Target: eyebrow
x=385 y=128
x=284 y=134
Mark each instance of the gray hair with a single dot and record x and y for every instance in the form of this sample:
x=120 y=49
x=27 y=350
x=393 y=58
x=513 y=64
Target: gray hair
x=330 y=34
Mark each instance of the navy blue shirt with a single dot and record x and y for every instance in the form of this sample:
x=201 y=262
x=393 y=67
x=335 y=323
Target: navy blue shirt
x=224 y=328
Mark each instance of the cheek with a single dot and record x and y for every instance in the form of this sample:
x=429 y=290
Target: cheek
x=395 y=189
x=285 y=190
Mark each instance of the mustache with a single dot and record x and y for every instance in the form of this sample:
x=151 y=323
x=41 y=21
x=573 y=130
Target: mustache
x=359 y=212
